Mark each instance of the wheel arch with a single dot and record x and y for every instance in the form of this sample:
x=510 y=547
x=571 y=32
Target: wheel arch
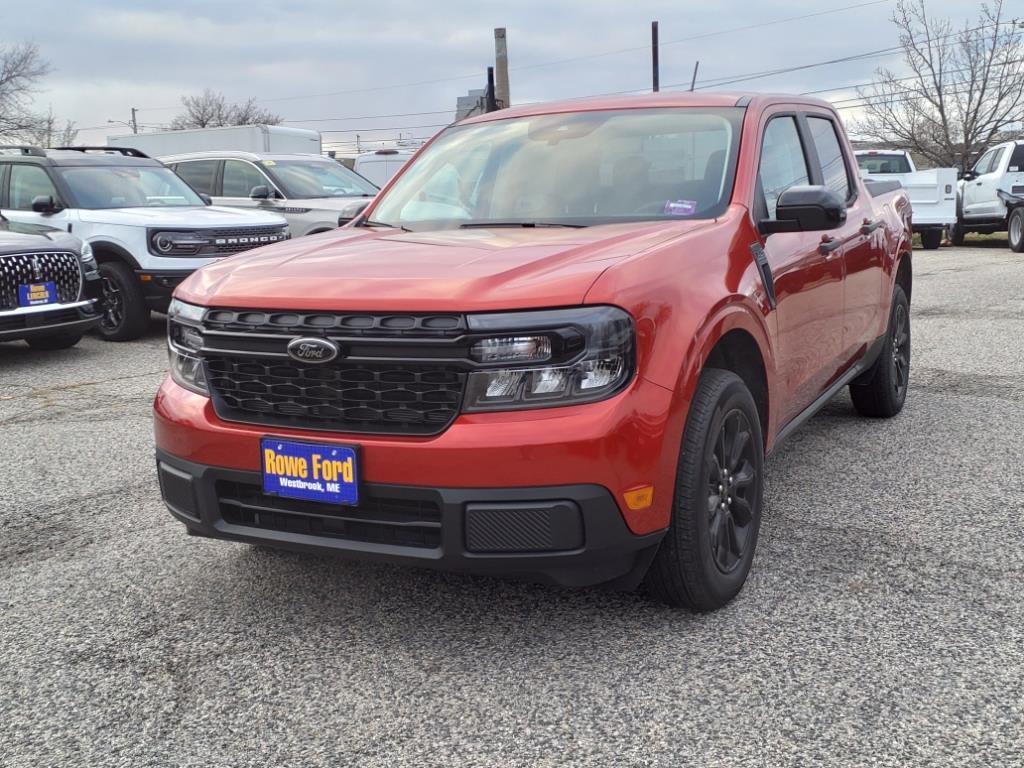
x=738 y=352
x=106 y=251
x=905 y=273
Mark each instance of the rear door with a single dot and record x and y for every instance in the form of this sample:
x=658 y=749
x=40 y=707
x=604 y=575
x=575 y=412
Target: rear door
x=808 y=281
x=860 y=241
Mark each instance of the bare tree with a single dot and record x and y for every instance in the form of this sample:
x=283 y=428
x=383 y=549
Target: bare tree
x=966 y=86
x=212 y=110
x=21 y=68
x=49 y=133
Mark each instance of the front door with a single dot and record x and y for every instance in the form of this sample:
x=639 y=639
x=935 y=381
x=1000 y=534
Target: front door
x=808 y=280
x=237 y=182
x=980 y=198
x=24 y=183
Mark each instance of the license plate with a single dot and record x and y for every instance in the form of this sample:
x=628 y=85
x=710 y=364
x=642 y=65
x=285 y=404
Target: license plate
x=34 y=294
x=324 y=473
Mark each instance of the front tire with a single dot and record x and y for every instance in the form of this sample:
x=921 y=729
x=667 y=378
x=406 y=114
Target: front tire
x=884 y=393
x=54 y=341
x=125 y=314
x=707 y=552
x=931 y=239
x=1015 y=230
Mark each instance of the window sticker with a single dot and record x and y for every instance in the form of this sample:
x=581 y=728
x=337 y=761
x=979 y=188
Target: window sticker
x=680 y=207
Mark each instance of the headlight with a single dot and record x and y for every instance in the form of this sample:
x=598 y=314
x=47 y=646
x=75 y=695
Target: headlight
x=184 y=340
x=588 y=355
x=166 y=243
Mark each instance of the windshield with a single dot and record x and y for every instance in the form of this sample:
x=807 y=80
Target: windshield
x=883 y=163
x=575 y=169
x=97 y=186
x=306 y=179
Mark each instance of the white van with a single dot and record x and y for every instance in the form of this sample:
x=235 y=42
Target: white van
x=381 y=165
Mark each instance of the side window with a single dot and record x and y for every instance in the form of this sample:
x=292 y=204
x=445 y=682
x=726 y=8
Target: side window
x=199 y=174
x=983 y=164
x=997 y=158
x=782 y=161
x=240 y=177
x=830 y=156
x=27 y=182
x=1017 y=159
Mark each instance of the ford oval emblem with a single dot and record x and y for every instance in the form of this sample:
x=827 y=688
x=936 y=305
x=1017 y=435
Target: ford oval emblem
x=312 y=350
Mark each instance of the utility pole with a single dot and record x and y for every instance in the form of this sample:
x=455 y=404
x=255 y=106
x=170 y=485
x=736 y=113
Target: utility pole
x=501 y=94
x=654 y=56
x=135 y=123
x=693 y=82
x=490 y=104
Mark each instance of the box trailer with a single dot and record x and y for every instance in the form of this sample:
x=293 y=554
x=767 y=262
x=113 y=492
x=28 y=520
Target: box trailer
x=242 y=138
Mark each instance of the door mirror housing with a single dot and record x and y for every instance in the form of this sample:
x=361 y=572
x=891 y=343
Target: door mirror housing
x=806 y=209
x=207 y=200
x=968 y=175
x=260 y=192
x=44 y=204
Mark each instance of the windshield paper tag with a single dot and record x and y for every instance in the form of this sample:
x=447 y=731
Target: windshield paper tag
x=680 y=207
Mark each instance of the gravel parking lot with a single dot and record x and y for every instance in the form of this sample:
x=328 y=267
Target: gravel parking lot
x=883 y=623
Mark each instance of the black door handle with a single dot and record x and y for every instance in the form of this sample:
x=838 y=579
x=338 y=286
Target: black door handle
x=869 y=226
x=828 y=245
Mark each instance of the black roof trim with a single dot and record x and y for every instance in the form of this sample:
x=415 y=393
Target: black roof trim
x=742 y=101
x=126 y=151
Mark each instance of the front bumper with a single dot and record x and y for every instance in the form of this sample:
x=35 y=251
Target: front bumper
x=46 y=320
x=571 y=535
x=159 y=285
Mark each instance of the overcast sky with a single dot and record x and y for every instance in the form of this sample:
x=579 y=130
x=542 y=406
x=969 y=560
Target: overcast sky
x=389 y=57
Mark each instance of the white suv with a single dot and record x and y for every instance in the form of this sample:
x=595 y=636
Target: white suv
x=148 y=229
x=314 y=193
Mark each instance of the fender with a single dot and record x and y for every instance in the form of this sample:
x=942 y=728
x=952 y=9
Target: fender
x=119 y=251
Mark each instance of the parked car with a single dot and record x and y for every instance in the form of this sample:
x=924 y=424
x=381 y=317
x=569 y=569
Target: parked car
x=557 y=347
x=980 y=208
x=381 y=165
x=49 y=286
x=244 y=138
x=932 y=192
x=314 y=193
x=147 y=228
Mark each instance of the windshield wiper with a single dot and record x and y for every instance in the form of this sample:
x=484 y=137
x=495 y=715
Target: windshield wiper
x=528 y=224
x=369 y=223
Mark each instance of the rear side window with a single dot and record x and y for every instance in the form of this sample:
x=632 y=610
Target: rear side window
x=199 y=174
x=830 y=156
x=782 y=161
x=240 y=177
x=28 y=182
x=1017 y=159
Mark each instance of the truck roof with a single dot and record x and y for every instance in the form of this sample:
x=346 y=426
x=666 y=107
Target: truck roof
x=216 y=154
x=708 y=99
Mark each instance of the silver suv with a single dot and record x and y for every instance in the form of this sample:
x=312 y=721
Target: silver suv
x=314 y=193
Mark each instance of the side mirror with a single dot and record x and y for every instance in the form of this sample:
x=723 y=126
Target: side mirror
x=351 y=212
x=806 y=209
x=207 y=200
x=968 y=176
x=44 y=204
x=260 y=192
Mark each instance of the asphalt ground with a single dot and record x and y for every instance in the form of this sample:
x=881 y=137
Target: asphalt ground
x=882 y=624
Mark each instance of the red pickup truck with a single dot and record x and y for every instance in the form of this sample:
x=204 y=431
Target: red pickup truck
x=557 y=346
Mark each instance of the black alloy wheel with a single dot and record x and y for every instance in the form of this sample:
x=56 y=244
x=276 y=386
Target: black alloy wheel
x=900 y=350
x=113 y=306
x=729 y=468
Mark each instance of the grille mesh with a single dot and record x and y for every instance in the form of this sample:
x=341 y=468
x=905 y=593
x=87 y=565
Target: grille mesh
x=376 y=397
x=20 y=269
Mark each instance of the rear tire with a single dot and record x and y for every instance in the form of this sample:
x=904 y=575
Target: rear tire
x=931 y=239
x=1015 y=230
x=125 y=314
x=706 y=554
x=884 y=393
x=54 y=341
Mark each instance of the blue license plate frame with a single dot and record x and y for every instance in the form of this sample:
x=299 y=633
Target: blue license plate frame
x=325 y=473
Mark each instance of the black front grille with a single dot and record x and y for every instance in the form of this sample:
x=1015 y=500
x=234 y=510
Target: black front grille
x=63 y=269
x=421 y=398
x=406 y=522
x=241 y=239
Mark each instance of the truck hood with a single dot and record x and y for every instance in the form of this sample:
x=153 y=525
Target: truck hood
x=363 y=269
x=190 y=217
